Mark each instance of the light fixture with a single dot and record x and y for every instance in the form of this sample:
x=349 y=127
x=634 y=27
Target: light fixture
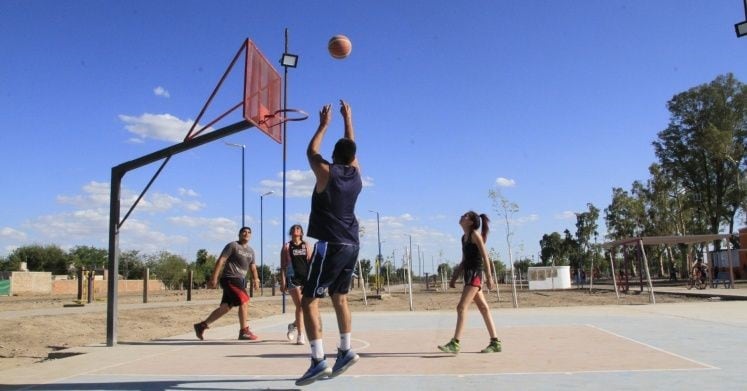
x=289 y=60
x=741 y=29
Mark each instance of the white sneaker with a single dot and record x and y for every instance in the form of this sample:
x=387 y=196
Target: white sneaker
x=291 y=331
x=301 y=340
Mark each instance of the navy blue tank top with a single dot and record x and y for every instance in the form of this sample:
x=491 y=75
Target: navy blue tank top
x=332 y=218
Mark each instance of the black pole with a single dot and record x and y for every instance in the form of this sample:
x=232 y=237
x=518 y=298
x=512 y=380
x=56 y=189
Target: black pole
x=243 y=193
x=285 y=142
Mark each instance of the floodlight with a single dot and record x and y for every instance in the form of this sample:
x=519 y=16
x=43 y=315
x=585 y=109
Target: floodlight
x=289 y=60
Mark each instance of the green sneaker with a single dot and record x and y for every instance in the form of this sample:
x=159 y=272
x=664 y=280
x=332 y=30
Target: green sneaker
x=494 y=347
x=451 y=347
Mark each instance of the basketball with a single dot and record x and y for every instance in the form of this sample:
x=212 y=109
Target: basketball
x=339 y=46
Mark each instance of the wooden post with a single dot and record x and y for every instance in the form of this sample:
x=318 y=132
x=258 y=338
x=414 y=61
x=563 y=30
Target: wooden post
x=190 y=274
x=80 y=274
x=146 y=277
x=90 y=286
x=652 y=298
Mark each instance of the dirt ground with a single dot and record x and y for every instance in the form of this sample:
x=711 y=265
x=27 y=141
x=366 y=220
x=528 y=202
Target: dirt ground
x=29 y=339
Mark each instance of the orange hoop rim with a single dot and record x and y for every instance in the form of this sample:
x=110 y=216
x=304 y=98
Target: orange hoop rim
x=300 y=115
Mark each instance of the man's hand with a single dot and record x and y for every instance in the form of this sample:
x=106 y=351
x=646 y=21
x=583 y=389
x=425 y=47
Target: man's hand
x=325 y=115
x=345 y=110
x=212 y=284
x=255 y=283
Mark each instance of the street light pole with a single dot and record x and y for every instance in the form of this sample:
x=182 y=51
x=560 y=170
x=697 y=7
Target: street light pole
x=378 y=257
x=243 y=147
x=409 y=271
x=261 y=243
x=287 y=60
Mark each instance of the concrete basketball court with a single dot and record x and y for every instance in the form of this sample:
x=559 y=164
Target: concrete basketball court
x=663 y=346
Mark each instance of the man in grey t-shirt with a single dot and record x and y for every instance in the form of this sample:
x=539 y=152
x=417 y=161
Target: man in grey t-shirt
x=235 y=261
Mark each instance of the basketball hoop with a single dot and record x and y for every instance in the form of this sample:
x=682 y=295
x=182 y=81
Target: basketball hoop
x=281 y=116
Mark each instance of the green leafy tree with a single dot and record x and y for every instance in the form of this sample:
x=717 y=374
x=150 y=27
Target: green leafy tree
x=522 y=266
x=586 y=230
x=131 y=265
x=203 y=267
x=703 y=149
x=266 y=274
x=171 y=269
x=444 y=269
x=551 y=250
x=88 y=257
x=624 y=216
x=366 y=265
x=50 y=258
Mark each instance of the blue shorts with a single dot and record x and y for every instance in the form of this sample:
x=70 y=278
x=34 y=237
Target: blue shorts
x=331 y=270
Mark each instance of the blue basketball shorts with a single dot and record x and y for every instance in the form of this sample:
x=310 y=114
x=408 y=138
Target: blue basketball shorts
x=331 y=269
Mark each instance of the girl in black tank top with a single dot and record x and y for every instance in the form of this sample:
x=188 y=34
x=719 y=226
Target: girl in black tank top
x=294 y=265
x=475 y=261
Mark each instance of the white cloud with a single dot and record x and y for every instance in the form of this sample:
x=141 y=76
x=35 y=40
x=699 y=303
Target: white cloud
x=12 y=234
x=79 y=224
x=527 y=219
x=164 y=127
x=298 y=183
x=96 y=195
x=566 y=215
x=505 y=182
x=187 y=192
x=160 y=91
x=215 y=228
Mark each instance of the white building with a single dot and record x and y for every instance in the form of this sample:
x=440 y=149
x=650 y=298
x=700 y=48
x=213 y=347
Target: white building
x=549 y=277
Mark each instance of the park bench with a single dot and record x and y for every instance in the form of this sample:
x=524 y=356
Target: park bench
x=722 y=278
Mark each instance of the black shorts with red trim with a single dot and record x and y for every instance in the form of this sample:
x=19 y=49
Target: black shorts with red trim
x=234 y=291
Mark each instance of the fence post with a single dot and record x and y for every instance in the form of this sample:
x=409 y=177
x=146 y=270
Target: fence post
x=90 y=286
x=146 y=277
x=80 y=283
x=189 y=287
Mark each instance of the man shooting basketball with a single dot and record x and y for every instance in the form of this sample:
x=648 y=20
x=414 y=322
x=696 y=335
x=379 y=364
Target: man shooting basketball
x=333 y=223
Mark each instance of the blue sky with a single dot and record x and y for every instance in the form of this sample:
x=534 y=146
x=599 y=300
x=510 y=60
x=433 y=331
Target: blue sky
x=552 y=102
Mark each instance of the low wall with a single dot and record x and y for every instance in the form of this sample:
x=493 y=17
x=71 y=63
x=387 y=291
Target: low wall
x=41 y=283
x=37 y=283
x=70 y=287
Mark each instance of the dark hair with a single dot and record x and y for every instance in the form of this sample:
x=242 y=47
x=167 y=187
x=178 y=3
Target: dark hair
x=344 y=152
x=247 y=228
x=290 y=231
x=479 y=220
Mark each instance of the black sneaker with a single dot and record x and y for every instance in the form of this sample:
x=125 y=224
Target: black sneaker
x=247 y=334
x=200 y=329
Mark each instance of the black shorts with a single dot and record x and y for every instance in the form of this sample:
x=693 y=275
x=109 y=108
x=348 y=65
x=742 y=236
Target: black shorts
x=234 y=291
x=473 y=277
x=331 y=269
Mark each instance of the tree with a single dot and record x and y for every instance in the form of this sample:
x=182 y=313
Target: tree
x=171 y=269
x=366 y=265
x=131 y=265
x=703 y=149
x=444 y=269
x=506 y=209
x=50 y=258
x=551 y=250
x=623 y=216
x=203 y=267
x=88 y=257
x=586 y=228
